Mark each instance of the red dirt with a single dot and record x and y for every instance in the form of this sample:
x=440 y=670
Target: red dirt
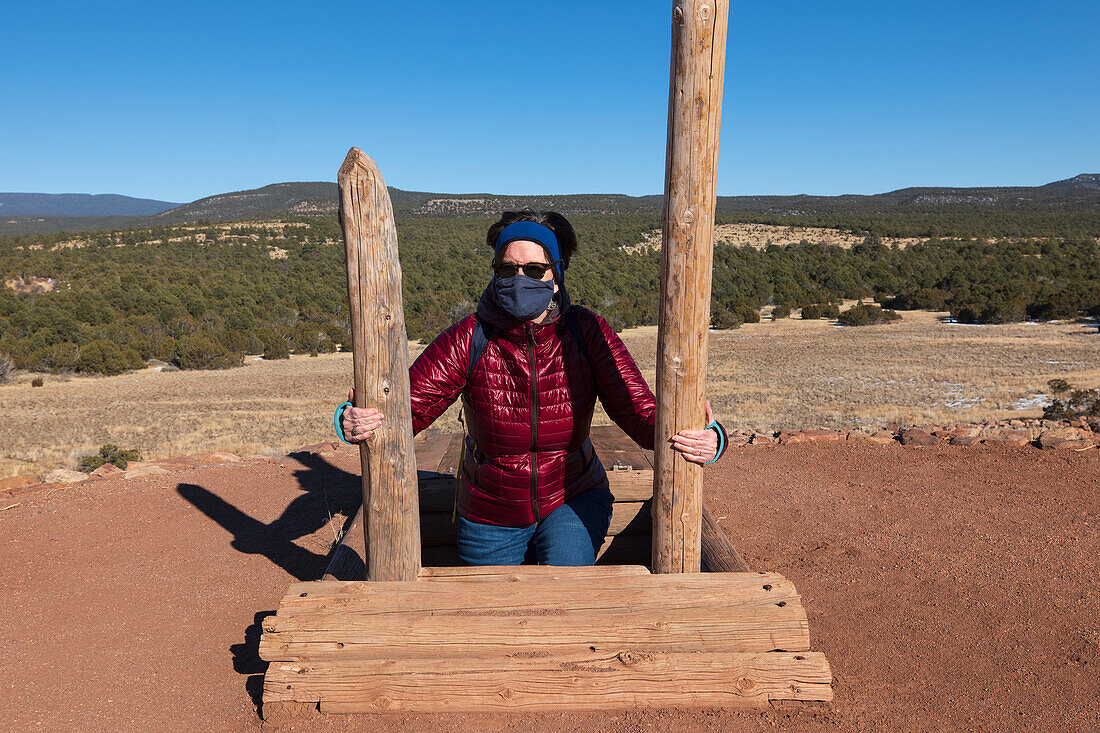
x=950 y=587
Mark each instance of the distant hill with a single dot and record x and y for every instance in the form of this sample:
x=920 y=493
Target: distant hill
x=1085 y=180
x=1078 y=194
x=278 y=199
x=79 y=204
x=295 y=199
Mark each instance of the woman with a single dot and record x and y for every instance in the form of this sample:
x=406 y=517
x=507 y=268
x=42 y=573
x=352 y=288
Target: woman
x=532 y=488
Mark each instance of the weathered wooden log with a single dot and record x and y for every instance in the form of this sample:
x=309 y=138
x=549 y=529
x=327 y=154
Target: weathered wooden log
x=733 y=612
x=717 y=552
x=381 y=363
x=555 y=681
x=694 y=116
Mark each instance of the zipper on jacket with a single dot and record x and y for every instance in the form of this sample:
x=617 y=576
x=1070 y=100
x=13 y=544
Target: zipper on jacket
x=534 y=419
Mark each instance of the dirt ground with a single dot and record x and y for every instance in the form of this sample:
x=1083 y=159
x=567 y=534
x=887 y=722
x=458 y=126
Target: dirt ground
x=951 y=588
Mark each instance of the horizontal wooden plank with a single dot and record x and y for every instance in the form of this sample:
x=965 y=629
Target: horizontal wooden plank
x=448 y=636
x=634 y=485
x=552 y=681
x=538 y=592
x=514 y=573
x=737 y=612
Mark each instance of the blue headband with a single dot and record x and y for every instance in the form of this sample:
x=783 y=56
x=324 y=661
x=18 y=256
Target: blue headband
x=530 y=231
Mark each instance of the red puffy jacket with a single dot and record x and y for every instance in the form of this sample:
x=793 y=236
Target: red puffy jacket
x=527 y=449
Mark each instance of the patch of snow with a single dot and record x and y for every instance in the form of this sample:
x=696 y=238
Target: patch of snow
x=1027 y=403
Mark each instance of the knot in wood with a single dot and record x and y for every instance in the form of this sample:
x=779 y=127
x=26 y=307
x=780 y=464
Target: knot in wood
x=703 y=14
x=678 y=14
x=745 y=684
x=687 y=217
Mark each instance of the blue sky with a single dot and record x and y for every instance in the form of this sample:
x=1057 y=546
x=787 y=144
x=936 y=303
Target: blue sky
x=182 y=100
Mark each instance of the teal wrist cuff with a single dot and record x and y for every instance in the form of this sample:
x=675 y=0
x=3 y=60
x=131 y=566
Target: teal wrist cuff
x=717 y=427
x=336 y=422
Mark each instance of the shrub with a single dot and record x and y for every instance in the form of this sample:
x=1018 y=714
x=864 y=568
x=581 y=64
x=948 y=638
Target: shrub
x=106 y=357
x=109 y=454
x=201 y=352
x=867 y=315
x=253 y=345
x=830 y=311
x=1078 y=403
x=1058 y=386
x=783 y=310
x=276 y=348
x=811 y=312
x=725 y=319
x=7 y=368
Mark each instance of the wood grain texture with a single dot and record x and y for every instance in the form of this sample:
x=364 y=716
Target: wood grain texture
x=718 y=554
x=381 y=364
x=555 y=681
x=732 y=612
x=694 y=116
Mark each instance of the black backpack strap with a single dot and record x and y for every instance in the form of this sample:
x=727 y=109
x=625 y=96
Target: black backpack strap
x=480 y=339
x=571 y=319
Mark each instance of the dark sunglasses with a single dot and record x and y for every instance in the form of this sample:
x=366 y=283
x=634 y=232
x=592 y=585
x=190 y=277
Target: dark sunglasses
x=536 y=270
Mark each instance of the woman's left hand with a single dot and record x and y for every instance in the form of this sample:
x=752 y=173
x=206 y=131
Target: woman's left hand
x=697 y=446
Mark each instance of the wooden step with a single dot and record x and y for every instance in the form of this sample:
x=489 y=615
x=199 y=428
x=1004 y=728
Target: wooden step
x=554 y=681
x=532 y=638
x=731 y=612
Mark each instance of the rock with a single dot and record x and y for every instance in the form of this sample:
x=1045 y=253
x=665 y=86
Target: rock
x=958 y=439
x=916 y=436
x=1008 y=436
x=786 y=438
x=763 y=439
x=64 y=476
x=149 y=469
x=107 y=469
x=1065 y=437
x=822 y=435
x=882 y=437
x=736 y=440
x=17 y=482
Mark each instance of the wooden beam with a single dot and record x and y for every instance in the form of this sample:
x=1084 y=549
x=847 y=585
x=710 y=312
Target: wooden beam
x=730 y=612
x=694 y=116
x=582 y=680
x=381 y=363
x=718 y=553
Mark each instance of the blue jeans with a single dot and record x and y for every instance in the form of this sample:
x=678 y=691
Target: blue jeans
x=569 y=535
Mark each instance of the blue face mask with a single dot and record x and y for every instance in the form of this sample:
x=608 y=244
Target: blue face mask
x=522 y=297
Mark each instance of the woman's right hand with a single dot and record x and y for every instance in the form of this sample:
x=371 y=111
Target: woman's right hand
x=359 y=423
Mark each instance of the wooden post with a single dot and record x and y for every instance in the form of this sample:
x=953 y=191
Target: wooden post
x=694 y=114
x=381 y=363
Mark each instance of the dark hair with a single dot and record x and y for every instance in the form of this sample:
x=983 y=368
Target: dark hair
x=552 y=220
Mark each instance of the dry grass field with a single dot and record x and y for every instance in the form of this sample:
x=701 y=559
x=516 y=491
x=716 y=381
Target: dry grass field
x=767 y=376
